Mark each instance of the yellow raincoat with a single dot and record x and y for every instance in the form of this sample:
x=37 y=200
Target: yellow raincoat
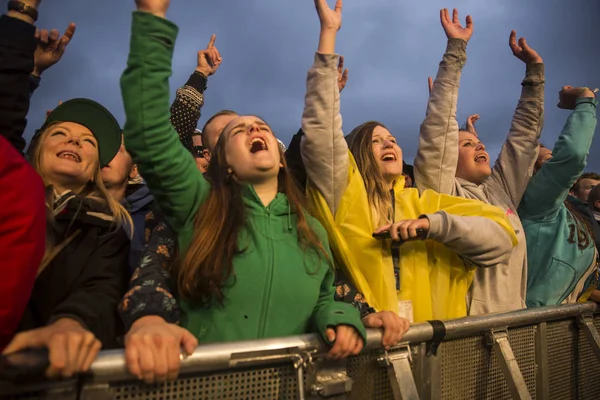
x=433 y=277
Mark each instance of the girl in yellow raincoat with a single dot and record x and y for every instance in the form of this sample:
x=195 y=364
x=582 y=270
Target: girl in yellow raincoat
x=356 y=189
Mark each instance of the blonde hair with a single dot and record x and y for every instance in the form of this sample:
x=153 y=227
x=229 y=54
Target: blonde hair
x=378 y=193
x=94 y=190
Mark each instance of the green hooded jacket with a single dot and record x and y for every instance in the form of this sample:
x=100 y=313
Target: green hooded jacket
x=278 y=288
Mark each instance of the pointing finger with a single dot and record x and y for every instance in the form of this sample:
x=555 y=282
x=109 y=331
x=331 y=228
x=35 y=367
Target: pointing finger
x=211 y=42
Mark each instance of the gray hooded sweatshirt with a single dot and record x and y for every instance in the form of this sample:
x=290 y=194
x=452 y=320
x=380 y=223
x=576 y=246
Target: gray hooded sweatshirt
x=502 y=287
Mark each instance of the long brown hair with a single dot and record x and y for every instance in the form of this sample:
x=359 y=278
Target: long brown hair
x=378 y=193
x=207 y=266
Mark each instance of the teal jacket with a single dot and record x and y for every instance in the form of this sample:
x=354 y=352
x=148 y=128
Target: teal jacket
x=560 y=251
x=279 y=289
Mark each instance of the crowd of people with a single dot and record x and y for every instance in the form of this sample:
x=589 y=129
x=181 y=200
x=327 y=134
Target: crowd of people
x=158 y=237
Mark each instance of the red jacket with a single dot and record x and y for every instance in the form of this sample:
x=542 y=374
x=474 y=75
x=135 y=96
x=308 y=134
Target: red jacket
x=22 y=235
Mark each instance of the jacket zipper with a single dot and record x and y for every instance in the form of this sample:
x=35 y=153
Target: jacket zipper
x=267 y=293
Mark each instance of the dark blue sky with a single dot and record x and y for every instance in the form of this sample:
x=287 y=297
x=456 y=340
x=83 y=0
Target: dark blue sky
x=390 y=47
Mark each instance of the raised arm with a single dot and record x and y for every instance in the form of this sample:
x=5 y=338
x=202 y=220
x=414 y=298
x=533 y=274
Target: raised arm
x=185 y=110
x=437 y=156
x=17 y=45
x=167 y=167
x=514 y=166
x=550 y=186
x=324 y=150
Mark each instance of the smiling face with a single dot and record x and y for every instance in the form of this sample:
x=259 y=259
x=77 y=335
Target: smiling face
x=68 y=156
x=387 y=154
x=473 y=160
x=251 y=150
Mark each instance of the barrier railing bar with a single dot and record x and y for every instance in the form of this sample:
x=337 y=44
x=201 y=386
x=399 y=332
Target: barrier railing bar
x=427 y=370
x=542 y=391
x=509 y=366
x=400 y=373
x=110 y=365
x=586 y=322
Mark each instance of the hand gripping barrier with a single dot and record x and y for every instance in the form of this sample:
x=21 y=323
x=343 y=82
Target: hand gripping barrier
x=542 y=353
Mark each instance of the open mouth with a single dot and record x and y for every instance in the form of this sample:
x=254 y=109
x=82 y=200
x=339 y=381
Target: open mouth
x=482 y=158
x=388 y=157
x=68 y=155
x=258 y=144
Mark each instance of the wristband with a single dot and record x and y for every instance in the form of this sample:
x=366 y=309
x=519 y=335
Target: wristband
x=23 y=8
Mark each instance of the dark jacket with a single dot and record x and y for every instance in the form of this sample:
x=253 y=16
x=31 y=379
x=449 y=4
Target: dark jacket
x=17 y=45
x=87 y=279
x=139 y=202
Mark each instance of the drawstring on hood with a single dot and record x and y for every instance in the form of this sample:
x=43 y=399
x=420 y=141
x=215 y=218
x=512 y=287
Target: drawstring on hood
x=289 y=216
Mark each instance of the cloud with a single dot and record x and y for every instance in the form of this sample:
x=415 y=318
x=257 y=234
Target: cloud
x=391 y=48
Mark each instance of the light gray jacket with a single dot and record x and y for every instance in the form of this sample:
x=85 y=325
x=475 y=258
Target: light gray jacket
x=325 y=155
x=502 y=287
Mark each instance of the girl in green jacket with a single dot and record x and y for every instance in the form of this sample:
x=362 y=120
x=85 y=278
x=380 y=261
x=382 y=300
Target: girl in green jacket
x=253 y=264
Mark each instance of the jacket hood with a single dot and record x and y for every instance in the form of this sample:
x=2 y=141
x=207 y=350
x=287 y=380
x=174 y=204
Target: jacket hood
x=139 y=198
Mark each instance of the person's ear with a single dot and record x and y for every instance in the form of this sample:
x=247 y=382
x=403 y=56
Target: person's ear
x=134 y=171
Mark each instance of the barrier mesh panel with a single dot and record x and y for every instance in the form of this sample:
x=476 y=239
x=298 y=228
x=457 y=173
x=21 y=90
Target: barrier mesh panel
x=470 y=370
x=562 y=348
x=588 y=368
x=269 y=383
x=369 y=379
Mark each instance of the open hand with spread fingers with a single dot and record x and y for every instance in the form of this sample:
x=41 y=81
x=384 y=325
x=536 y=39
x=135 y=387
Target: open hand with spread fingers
x=342 y=74
x=50 y=48
x=522 y=51
x=453 y=28
x=568 y=96
x=330 y=19
x=209 y=59
x=156 y=7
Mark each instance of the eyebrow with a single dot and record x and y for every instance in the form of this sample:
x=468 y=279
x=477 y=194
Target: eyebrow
x=243 y=124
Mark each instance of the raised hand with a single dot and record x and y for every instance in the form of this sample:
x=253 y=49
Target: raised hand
x=209 y=59
x=342 y=74
x=156 y=7
x=50 y=48
x=522 y=51
x=330 y=19
x=568 y=96
x=453 y=28
x=471 y=123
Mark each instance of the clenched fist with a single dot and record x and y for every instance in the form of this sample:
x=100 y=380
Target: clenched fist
x=156 y=7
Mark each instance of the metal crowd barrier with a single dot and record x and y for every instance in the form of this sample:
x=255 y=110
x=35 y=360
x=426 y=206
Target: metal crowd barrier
x=542 y=353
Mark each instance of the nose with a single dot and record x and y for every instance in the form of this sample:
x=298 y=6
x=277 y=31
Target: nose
x=75 y=140
x=480 y=146
x=387 y=144
x=253 y=128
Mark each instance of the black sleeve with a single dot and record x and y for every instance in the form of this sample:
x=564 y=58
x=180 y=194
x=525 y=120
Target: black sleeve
x=99 y=289
x=345 y=291
x=185 y=110
x=17 y=46
x=151 y=288
x=293 y=158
